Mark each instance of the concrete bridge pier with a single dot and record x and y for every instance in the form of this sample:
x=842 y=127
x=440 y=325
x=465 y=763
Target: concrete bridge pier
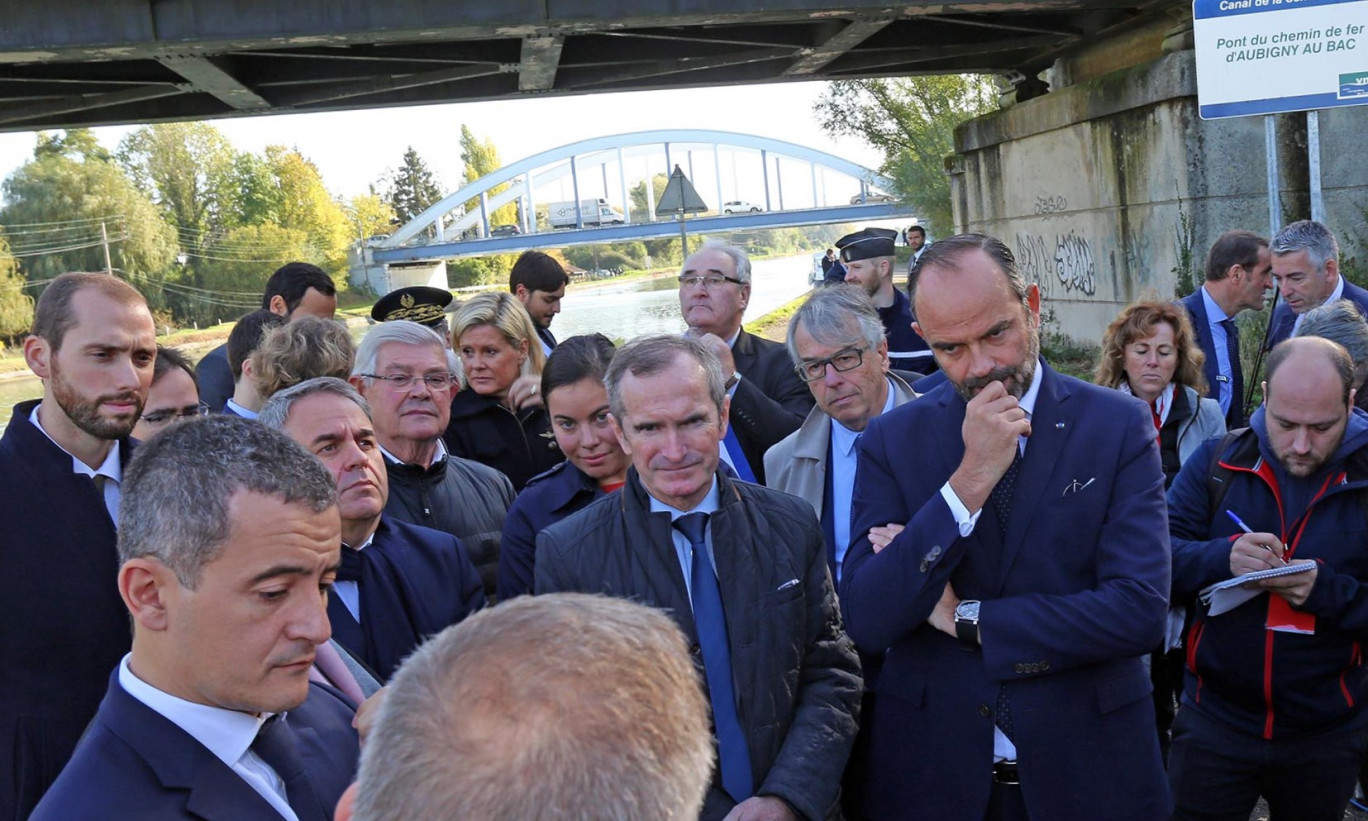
x=1110 y=187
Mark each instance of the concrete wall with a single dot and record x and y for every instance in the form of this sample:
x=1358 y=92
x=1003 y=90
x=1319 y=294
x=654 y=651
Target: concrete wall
x=1113 y=189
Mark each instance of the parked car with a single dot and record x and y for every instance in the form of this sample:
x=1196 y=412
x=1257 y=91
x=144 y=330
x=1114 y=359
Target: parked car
x=505 y=231
x=740 y=207
x=861 y=199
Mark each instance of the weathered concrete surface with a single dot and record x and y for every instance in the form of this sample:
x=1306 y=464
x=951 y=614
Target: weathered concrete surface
x=1113 y=189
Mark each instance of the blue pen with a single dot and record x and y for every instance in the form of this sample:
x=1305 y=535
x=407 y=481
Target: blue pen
x=1245 y=528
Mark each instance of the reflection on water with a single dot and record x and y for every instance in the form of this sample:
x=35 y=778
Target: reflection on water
x=619 y=311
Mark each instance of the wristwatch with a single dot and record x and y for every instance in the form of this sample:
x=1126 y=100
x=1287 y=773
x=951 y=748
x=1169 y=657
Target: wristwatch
x=967 y=622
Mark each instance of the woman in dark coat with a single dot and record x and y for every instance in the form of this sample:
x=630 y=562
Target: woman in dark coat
x=497 y=418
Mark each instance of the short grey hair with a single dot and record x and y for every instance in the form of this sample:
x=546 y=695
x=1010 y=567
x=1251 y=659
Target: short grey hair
x=738 y=256
x=564 y=705
x=1309 y=236
x=1341 y=323
x=276 y=412
x=648 y=355
x=833 y=316
x=180 y=485
x=401 y=331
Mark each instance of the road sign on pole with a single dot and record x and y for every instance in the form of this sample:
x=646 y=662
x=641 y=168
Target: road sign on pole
x=680 y=198
x=1270 y=56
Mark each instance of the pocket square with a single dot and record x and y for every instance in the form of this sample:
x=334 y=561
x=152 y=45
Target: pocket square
x=786 y=585
x=1077 y=485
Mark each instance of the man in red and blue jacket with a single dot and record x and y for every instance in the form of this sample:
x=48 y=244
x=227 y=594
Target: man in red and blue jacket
x=1274 y=690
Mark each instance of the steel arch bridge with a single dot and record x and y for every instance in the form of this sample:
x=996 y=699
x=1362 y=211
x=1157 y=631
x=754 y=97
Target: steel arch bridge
x=449 y=229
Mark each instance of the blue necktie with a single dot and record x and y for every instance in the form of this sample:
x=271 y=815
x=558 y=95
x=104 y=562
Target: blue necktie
x=738 y=456
x=275 y=745
x=1234 y=416
x=711 y=622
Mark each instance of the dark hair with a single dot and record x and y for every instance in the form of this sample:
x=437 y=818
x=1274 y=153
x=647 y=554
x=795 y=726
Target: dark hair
x=168 y=358
x=53 y=316
x=292 y=280
x=536 y=271
x=1335 y=352
x=945 y=253
x=1233 y=248
x=246 y=337
x=918 y=229
x=576 y=359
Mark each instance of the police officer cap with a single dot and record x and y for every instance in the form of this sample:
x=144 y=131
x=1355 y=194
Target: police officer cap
x=871 y=242
x=418 y=303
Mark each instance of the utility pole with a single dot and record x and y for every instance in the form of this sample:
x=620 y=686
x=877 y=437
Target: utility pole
x=104 y=238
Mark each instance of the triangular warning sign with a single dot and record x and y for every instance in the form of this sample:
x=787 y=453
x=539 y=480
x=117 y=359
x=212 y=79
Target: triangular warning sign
x=679 y=197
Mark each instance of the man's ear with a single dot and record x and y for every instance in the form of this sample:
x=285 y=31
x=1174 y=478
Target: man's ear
x=143 y=585
x=37 y=353
x=358 y=382
x=621 y=436
x=278 y=305
x=726 y=415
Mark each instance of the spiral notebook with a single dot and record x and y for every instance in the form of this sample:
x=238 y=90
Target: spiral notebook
x=1231 y=593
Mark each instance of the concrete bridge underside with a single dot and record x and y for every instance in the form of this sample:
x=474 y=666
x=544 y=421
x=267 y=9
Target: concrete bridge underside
x=73 y=62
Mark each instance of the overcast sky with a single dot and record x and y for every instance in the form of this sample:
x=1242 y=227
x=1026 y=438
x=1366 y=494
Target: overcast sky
x=353 y=149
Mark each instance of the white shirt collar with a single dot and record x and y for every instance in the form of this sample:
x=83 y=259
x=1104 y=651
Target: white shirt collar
x=710 y=504
x=228 y=734
x=1028 y=400
x=110 y=467
x=436 y=457
x=245 y=413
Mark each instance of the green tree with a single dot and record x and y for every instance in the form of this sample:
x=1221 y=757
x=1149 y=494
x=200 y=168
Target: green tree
x=258 y=196
x=16 y=306
x=912 y=121
x=247 y=257
x=412 y=187
x=371 y=215
x=481 y=158
x=640 y=206
x=57 y=202
x=187 y=169
x=306 y=205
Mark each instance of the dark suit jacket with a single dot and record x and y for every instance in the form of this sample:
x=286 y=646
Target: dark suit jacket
x=63 y=626
x=1284 y=319
x=770 y=401
x=797 y=677
x=134 y=764
x=1072 y=596
x=1201 y=325
x=214 y=378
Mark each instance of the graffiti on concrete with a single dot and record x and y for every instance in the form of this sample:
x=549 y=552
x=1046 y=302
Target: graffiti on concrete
x=1050 y=205
x=1066 y=263
x=1074 y=264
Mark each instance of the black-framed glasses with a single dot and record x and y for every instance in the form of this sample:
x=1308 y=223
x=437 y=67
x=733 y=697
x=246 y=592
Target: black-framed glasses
x=708 y=282
x=846 y=360
x=162 y=417
x=404 y=381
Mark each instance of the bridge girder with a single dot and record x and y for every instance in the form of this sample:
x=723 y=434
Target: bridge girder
x=70 y=63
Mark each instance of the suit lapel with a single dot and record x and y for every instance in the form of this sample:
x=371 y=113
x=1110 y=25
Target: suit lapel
x=1050 y=430
x=738 y=578
x=215 y=792
x=657 y=557
x=743 y=352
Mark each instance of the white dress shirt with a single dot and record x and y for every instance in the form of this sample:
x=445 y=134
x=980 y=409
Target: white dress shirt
x=228 y=734
x=109 y=468
x=683 y=550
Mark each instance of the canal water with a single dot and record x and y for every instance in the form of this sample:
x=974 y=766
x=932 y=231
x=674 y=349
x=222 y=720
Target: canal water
x=618 y=310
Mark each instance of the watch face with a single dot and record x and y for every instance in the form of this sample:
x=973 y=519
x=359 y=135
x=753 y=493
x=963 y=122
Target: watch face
x=967 y=610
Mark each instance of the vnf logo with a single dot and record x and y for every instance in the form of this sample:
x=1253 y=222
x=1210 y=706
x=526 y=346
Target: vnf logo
x=1353 y=85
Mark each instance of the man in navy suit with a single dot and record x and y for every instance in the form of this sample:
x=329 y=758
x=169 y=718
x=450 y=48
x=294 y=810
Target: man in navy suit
x=229 y=539
x=1306 y=268
x=1010 y=558
x=61 y=464
x=399 y=583
x=1237 y=278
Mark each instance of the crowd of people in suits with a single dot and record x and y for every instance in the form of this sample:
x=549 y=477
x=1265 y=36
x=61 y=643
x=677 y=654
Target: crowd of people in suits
x=468 y=570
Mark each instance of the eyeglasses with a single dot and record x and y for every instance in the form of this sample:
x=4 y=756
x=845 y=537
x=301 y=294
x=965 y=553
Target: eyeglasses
x=846 y=360
x=708 y=282
x=162 y=417
x=405 y=381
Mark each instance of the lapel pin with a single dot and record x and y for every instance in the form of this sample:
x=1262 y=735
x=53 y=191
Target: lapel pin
x=1059 y=426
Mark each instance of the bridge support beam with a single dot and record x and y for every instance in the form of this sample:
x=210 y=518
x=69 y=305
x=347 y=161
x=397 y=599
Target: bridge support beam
x=1112 y=189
